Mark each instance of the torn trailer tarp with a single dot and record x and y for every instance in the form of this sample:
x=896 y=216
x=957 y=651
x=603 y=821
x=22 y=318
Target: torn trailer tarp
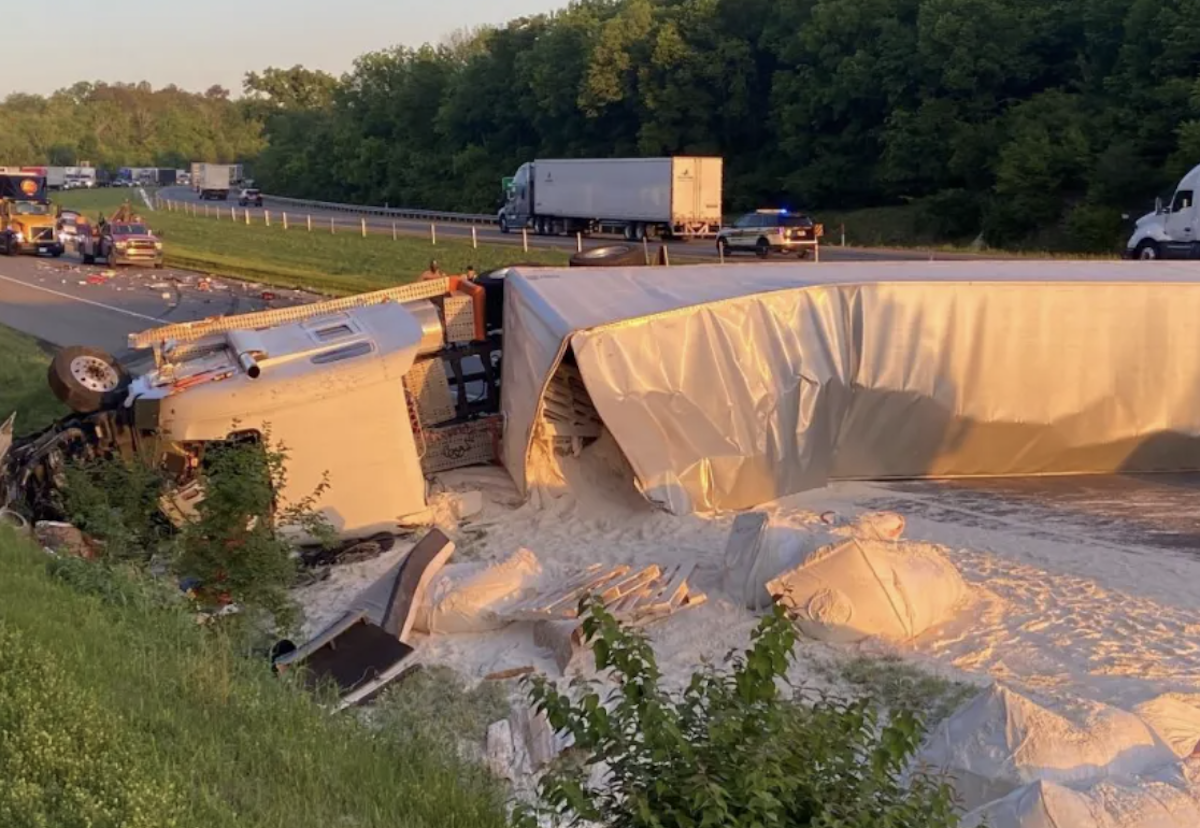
x=730 y=386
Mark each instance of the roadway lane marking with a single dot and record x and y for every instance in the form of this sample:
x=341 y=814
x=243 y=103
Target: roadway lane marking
x=94 y=304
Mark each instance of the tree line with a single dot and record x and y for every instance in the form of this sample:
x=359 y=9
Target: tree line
x=1031 y=122
x=127 y=125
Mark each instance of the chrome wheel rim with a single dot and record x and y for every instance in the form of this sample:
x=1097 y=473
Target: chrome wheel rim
x=94 y=374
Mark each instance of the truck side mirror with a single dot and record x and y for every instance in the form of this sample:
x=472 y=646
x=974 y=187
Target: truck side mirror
x=1158 y=206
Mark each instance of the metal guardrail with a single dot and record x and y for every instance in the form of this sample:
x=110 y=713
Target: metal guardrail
x=391 y=212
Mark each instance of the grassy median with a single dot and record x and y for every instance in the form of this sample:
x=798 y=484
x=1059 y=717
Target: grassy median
x=340 y=262
x=23 y=387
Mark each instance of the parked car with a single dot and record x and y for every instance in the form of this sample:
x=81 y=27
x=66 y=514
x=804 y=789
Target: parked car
x=250 y=198
x=764 y=232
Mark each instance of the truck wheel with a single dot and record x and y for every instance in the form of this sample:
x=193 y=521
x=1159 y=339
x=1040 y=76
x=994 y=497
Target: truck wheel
x=615 y=255
x=87 y=379
x=763 y=248
x=88 y=259
x=503 y=224
x=1147 y=250
x=723 y=248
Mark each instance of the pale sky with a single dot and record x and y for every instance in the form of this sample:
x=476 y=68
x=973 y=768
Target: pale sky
x=197 y=44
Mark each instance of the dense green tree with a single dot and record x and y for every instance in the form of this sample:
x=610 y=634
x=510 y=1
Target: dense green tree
x=113 y=125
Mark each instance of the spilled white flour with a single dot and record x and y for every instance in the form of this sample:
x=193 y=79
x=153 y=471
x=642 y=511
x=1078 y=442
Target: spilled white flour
x=1056 y=616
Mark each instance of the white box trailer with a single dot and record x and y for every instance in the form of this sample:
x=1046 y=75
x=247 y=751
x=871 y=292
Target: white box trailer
x=214 y=181
x=667 y=197
x=56 y=177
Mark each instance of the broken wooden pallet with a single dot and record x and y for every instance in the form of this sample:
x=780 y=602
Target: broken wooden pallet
x=633 y=596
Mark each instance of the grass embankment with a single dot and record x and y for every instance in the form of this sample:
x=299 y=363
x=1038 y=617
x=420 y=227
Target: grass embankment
x=117 y=710
x=339 y=263
x=23 y=387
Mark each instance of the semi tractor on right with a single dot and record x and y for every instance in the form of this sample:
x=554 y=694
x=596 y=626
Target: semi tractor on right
x=1172 y=231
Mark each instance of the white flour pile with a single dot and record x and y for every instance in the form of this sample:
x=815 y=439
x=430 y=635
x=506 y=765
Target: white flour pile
x=1052 y=616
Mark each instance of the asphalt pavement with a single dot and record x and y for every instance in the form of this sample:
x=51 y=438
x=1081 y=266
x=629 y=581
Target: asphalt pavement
x=64 y=302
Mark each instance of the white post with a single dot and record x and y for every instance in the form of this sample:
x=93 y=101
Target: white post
x=721 y=252
x=267 y=217
x=206 y=211
x=579 y=242
x=843 y=234
x=285 y=224
x=474 y=238
x=310 y=224
x=666 y=255
x=646 y=248
x=817 y=252
x=433 y=234
x=393 y=231
x=525 y=238
x=246 y=212
x=364 y=227
x=233 y=213
x=331 y=230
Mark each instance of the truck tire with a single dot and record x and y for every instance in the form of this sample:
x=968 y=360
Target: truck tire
x=503 y=222
x=614 y=255
x=1147 y=250
x=87 y=379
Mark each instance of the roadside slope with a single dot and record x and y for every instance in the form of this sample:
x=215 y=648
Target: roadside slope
x=201 y=736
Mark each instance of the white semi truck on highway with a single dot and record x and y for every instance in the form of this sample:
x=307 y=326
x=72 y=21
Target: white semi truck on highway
x=213 y=181
x=1172 y=231
x=637 y=197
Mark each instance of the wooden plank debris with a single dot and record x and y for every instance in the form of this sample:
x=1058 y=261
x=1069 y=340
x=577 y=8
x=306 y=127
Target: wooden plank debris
x=631 y=596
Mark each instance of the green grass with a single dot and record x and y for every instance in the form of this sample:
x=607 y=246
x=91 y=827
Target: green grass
x=117 y=710
x=339 y=263
x=23 y=387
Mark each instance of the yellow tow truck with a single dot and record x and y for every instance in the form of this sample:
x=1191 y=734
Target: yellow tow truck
x=28 y=221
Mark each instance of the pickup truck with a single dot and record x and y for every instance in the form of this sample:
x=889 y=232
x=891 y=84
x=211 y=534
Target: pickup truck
x=121 y=242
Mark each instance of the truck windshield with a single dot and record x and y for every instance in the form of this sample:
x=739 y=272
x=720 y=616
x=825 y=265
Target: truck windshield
x=129 y=229
x=31 y=208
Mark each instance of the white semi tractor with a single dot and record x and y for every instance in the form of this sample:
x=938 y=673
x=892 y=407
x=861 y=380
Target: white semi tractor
x=636 y=197
x=1172 y=231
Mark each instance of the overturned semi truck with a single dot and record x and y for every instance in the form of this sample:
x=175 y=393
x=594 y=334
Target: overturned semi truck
x=724 y=387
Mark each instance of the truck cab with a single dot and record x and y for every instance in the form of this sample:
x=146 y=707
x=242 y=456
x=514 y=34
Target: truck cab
x=28 y=223
x=518 y=200
x=1171 y=231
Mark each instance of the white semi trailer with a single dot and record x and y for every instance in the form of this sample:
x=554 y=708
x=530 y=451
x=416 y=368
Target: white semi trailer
x=636 y=197
x=214 y=181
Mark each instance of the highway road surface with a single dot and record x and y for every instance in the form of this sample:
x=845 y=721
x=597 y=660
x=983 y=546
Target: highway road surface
x=64 y=302
x=489 y=234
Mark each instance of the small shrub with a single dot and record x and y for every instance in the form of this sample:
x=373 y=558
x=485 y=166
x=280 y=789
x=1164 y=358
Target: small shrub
x=116 y=501
x=1091 y=228
x=732 y=749
x=233 y=546
x=898 y=685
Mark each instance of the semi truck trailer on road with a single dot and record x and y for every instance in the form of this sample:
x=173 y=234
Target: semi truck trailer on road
x=214 y=181
x=636 y=197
